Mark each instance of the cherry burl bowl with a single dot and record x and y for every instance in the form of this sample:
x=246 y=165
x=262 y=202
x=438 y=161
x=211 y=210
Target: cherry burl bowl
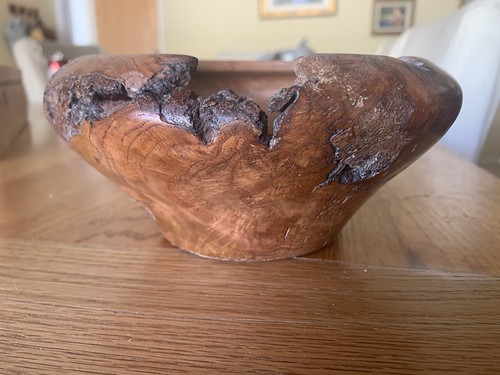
x=193 y=144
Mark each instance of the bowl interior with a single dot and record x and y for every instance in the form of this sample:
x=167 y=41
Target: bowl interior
x=257 y=80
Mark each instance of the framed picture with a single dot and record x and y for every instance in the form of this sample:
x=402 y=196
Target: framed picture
x=392 y=16
x=295 y=8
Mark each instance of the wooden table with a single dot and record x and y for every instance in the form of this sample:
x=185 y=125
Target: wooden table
x=88 y=285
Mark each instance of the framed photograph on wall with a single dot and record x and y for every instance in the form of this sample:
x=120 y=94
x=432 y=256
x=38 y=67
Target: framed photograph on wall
x=296 y=8
x=392 y=16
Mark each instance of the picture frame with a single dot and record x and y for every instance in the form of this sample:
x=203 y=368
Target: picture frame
x=296 y=8
x=392 y=16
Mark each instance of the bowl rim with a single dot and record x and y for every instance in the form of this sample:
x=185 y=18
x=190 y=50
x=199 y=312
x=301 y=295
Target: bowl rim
x=229 y=67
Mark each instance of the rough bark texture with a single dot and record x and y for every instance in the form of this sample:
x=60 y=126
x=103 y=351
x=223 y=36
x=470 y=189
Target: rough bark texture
x=193 y=146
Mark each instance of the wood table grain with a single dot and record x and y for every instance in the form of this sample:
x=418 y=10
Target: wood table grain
x=88 y=285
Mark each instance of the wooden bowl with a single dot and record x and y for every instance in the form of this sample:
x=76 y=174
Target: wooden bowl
x=190 y=142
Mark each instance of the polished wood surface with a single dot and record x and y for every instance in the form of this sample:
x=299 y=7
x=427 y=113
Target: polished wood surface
x=88 y=285
x=88 y=309
x=205 y=167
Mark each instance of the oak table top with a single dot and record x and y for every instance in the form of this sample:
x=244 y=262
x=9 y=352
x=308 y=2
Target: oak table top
x=88 y=285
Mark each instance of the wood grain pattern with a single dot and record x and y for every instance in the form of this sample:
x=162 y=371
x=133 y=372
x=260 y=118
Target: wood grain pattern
x=76 y=309
x=48 y=193
x=205 y=168
x=441 y=213
x=123 y=301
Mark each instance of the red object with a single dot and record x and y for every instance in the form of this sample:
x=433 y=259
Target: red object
x=54 y=66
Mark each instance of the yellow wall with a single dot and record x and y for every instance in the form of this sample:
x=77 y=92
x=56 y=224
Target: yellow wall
x=206 y=29
x=47 y=14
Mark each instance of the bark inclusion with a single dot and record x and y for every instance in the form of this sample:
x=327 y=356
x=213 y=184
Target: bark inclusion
x=95 y=96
